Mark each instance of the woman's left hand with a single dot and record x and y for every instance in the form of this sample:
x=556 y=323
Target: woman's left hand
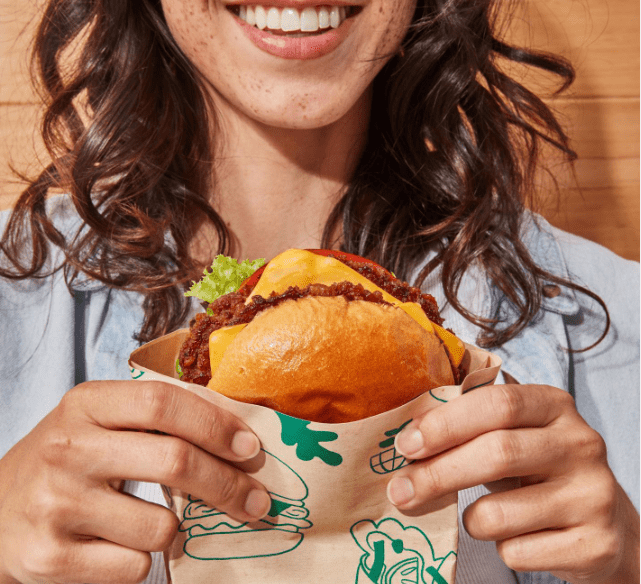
x=569 y=516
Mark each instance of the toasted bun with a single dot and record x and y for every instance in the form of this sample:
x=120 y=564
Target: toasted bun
x=329 y=360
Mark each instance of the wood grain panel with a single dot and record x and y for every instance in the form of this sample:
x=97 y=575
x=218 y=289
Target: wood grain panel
x=17 y=25
x=601 y=128
x=600 y=37
x=20 y=146
x=609 y=214
x=600 y=201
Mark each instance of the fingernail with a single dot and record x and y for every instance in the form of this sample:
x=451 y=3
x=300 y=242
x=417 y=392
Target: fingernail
x=244 y=444
x=409 y=442
x=257 y=504
x=400 y=490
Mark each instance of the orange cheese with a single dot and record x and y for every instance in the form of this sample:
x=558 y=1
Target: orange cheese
x=296 y=267
x=219 y=340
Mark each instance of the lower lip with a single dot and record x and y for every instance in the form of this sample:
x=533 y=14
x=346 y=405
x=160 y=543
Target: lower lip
x=301 y=48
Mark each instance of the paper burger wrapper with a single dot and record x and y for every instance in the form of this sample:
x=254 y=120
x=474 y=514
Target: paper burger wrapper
x=330 y=519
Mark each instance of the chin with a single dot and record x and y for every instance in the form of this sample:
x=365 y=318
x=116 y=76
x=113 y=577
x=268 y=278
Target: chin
x=310 y=111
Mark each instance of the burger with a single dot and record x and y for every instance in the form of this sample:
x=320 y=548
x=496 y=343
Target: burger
x=211 y=534
x=321 y=335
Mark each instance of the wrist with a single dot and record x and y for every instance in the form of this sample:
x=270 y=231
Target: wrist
x=628 y=569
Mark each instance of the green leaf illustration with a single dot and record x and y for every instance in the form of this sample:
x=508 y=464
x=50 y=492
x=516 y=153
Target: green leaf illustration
x=296 y=433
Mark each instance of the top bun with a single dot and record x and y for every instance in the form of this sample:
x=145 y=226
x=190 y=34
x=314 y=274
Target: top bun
x=326 y=359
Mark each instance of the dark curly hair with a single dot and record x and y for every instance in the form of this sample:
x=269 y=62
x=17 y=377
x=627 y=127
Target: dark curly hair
x=449 y=163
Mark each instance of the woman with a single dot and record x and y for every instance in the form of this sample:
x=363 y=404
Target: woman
x=384 y=127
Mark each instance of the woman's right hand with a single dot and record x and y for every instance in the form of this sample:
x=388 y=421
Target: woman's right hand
x=63 y=516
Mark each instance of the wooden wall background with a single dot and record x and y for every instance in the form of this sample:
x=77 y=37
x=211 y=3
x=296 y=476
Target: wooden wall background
x=601 y=110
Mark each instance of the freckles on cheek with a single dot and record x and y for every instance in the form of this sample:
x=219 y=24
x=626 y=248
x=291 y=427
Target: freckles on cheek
x=397 y=24
x=188 y=24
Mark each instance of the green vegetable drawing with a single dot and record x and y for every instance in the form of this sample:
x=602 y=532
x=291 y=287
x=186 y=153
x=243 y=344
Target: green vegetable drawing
x=395 y=554
x=388 y=460
x=296 y=433
x=225 y=276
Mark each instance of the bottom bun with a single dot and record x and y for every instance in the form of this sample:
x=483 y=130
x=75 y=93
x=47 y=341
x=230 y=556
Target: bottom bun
x=329 y=360
x=242 y=544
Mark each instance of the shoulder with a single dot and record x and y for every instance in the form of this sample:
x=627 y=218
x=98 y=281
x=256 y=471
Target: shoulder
x=604 y=379
x=585 y=263
x=607 y=276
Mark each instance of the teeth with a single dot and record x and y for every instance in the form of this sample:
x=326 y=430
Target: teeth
x=261 y=17
x=334 y=17
x=273 y=18
x=323 y=18
x=289 y=20
x=310 y=19
x=250 y=16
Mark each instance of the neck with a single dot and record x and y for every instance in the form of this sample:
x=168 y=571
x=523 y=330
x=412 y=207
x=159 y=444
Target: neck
x=276 y=187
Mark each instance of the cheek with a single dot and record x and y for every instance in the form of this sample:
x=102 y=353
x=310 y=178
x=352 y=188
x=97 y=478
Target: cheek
x=190 y=23
x=395 y=18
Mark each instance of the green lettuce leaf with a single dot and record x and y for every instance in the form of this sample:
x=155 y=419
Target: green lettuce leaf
x=226 y=276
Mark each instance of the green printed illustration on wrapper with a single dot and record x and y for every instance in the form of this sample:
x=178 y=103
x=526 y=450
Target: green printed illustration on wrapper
x=213 y=535
x=136 y=373
x=388 y=460
x=395 y=554
x=296 y=432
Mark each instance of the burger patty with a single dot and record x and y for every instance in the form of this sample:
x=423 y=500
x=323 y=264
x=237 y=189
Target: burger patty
x=230 y=310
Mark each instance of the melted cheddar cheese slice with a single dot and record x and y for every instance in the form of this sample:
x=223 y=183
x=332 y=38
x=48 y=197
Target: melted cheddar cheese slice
x=296 y=267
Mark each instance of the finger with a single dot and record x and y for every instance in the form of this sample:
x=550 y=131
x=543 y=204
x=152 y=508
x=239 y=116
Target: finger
x=179 y=464
x=573 y=553
x=487 y=458
x=479 y=411
x=547 y=505
x=169 y=409
x=95 y=561
x=125 y=520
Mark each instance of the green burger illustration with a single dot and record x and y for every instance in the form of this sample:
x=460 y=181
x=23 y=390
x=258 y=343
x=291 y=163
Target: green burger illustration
x=214 y=535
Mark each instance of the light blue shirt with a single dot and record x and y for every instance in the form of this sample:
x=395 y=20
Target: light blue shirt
x=52 y=339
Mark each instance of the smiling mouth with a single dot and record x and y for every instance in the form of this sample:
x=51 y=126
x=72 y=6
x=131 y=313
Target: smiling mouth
x=292 y=22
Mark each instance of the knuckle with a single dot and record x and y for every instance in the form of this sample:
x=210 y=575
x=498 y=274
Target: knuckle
x=487 y=519
x=176 y=460
x=431 y=478
x=44 y=561
x=46 y=509
x=59 y=447
x=513 y=552
x=212 y=422
x=604 y=497
x=440 y=425
x=564 y=398
x=77 y=395
x=228 y=487
x=591 y=445
x=596 y=552
x=608 y=549
x=156 y=401
x=137 y=568
x=505 y=452
x=507 y=401
x=163 y=530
